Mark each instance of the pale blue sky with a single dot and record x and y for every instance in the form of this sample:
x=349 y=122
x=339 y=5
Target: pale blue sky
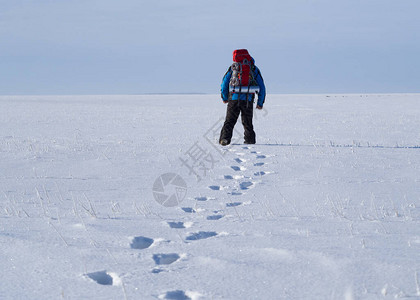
x=185 y=46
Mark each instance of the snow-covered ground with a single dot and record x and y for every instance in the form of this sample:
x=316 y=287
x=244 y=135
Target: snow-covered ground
x=326 y=205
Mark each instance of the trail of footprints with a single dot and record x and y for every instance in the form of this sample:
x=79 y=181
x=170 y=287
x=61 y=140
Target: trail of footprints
x=234 y=185
x=242 y=183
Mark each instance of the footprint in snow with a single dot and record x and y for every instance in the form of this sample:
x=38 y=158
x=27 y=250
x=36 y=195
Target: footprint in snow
x=238 y=160
x=233 y=204
x=180 y=225
x=104 y=278
x=201 y=235
x=236 y=168
x=230 y=177
x=202 y=198
x=246 y=185
x=214 y=217
x=215 y=187
x=261 y=156
x=176 y=295
x=188 y=209
x=259 y=164
x=235 y=193
x=141 y=242
x=165 y=259
x=261 y=173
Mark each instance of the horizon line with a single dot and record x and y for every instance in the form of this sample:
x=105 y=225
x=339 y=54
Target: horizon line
x=168 y=94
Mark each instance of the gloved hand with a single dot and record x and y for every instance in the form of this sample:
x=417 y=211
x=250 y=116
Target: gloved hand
x=259 y=107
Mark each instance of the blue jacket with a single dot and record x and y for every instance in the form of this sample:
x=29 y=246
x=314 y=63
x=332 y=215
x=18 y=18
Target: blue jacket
x=242 y=96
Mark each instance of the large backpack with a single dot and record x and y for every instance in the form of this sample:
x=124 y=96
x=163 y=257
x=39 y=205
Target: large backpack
x=242 y=79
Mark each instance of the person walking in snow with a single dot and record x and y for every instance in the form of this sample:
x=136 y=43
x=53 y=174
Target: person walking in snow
x=240 y=84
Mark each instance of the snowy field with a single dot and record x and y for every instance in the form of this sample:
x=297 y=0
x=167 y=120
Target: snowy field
x=326 y=205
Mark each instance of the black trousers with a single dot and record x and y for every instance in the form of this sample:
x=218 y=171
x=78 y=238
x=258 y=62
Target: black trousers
x=234 y=108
